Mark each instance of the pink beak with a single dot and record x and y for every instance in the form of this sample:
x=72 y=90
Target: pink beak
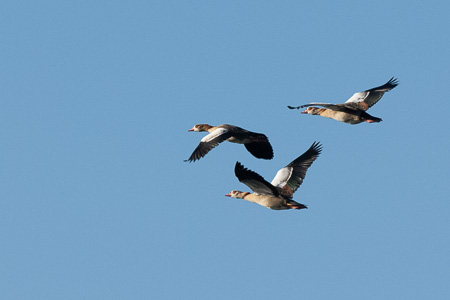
x=228 y=195
x=304 y=112
x=192 y=129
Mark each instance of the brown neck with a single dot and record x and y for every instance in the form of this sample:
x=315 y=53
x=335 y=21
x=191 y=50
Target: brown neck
x=244 y=194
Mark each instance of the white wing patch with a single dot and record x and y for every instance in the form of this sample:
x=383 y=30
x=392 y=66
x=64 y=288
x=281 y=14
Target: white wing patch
x=213 y=135
x=282 y=177
x=358 y=97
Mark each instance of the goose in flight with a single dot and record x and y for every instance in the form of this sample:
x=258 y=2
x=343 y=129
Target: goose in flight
x=353 y=111
x=278 y=194
x=256 y=143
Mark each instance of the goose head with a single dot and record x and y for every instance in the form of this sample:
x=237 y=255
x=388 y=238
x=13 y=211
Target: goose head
x=200 y=127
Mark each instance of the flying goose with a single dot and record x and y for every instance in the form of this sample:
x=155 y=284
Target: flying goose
x=353 y=111
x=256 y=143
x=278 y=194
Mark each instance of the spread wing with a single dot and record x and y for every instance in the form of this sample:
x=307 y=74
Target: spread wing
x=254 y=181
x=366 y=99
x=359 y=101
x=208 y=142
x=261 y=148
x=291 y=177
x=344 y=107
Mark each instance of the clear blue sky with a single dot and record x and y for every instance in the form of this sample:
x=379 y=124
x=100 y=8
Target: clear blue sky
x=96 y=100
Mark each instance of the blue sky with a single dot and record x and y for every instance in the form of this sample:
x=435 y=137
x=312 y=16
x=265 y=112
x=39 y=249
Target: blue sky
x=96 y=100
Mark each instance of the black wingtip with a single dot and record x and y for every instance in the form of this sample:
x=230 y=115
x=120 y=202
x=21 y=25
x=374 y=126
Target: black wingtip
x=191 y=159
x=238 y=167
x=316 y=146
x=261 y=150
x=293 y=107
x=393 y=82
x=239 y=170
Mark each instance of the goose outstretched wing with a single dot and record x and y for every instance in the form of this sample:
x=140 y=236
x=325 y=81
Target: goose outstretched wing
x=254 y=181
x=366 y=99
x=208 y=142
x=289 y=178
